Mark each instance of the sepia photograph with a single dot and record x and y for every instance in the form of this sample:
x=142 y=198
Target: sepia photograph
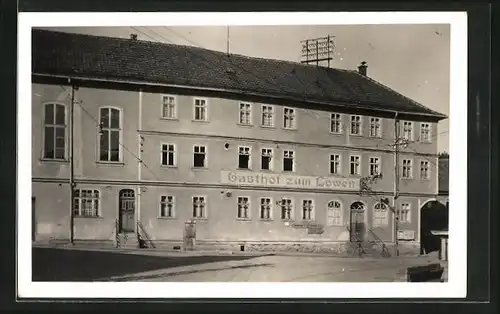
x=236 y=153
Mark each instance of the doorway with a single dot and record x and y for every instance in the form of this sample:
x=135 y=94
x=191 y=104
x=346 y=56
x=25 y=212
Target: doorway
x=433 y=217
x=126 y=211
x=357 y=230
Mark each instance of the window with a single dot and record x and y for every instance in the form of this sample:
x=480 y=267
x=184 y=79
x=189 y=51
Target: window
x=403 y=213
x=267 y=116
x=265 y=208
x=54 y=146
x=335 y=123
x=355 y=166
x=334 y=214
x=168 y=155
x=380 y=217
x=425 y=132
x=288 y=160
x=424 y=170
x=375 y=127
x=168 y=108
x=374 y=166
x=407 y=169
x=289 y=119
x=408 y=130
x=200 y=110
x=243 y=207
x=199 y=157
x=286 y=208
x=110 y=135
x=167 y=206
x=307 y=210
x=199 y=207
x=355 y=125
x=266 y=158
x=86 y=203
x=244 y=157
x=334 y=164
x=245 y=113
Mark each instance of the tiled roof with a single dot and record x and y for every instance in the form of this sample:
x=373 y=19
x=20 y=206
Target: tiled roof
x=443 y=174
x=120 y=59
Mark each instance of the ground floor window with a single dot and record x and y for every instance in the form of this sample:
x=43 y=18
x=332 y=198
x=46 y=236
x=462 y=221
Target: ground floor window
x=265 y=208
x=380 y=215
x=307 y=210
x=403 y=213
x=167 y=206
x=86 y=203
x=199 y=207
x=286 y=208
x=334 y=213
x=243 y=207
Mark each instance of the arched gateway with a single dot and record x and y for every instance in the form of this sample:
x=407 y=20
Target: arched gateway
x=357 y=228
x=433 y=217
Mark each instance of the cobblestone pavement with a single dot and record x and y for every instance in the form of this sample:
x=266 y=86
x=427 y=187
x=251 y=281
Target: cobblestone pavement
x=161 y=266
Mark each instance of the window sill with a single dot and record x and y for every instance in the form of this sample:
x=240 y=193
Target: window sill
x=244 y=219
x=425 y=180
x=335 y=133
x=267 y=170
x=267 y=126
x=377 y=137
x=47 y=160
x=266 y=219
x=244 y=169
x=169 y=119
x=422 y=142
x=356 y=135
x=354 y=175
x=287 y=220
x=110 y=163
x=88 y=217
x=199 y=168
x=199 y=219
x=200 y=121
x=290 y=129
x=288 y=171
x=406 y=179
x=245 y=125
x=167 y=218
x=168 y=167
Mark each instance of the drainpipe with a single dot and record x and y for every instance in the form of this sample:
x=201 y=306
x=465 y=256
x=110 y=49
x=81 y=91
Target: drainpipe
x=72 y=164
x=139 y=162
x=396 y=182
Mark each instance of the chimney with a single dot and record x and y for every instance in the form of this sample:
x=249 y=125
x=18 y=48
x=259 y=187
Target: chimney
x=133 y=36
x=362 y=68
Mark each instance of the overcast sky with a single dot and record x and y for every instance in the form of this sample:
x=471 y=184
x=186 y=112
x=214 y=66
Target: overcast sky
x=412 y=59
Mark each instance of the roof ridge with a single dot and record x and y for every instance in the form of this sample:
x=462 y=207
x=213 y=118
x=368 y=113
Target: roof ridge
x=396 y=92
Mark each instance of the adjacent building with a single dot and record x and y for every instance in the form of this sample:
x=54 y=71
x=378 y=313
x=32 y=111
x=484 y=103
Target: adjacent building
x=244 y=152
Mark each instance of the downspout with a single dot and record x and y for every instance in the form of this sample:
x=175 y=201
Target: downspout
x=396 y=182
x=139 y=162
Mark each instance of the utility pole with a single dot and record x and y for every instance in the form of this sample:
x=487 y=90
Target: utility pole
x=396 y=183
x=72 y=163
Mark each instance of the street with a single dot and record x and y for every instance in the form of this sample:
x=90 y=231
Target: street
x=63 y=264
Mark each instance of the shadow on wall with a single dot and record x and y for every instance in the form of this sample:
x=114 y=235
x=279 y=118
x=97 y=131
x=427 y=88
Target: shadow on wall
x=79 y=265
x=434 y=217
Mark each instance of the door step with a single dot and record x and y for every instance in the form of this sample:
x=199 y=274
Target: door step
x=128 y=241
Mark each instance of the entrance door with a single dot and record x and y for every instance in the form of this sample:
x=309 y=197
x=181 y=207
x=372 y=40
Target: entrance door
x=126 y=211
x=33 y=220
x=357 y=226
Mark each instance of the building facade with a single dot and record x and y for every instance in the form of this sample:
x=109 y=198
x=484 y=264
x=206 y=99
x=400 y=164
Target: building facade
x=259 y=170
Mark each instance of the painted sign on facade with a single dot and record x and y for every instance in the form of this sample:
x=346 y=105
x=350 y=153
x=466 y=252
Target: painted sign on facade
x=407 y=235
x=259 y=179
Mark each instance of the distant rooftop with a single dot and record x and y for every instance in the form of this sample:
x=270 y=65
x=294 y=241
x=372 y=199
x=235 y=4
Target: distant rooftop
x=138 y=61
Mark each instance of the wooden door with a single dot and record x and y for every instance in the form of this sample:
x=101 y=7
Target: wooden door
x=357 y=222
x=126 y=211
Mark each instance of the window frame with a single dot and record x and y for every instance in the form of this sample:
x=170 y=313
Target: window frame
x=379 y=163
x=175 y=155
x=162 y=116
x=249 y=210
x=205 y=212
x=120 y=136
x=174 y=204
x=207 y=118
x=249 y=157
x=271 y=208
x=205 y=166
x=385 y=217
x=250 y=110
x=428 y=170
x=359 y=165
x=273 y=116
x=44 y=126
x=429 y=140
x=294 y=124
x=412 y=133
x=402 y=169
x=271 y=163
x=339 y=164
x=313 y=209
x=360 y=125
x=292 y=209
x=379 y=133
x=340 y=210
x=341 y=123
x=79 y=199
x=400 y=209
x=293 y=161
